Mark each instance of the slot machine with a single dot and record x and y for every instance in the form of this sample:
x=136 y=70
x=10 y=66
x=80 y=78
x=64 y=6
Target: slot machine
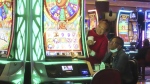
x=93 y=18
x=58 y=49
x=147 y=24
x=12 y=44
x=127 y=29
x=134 y=32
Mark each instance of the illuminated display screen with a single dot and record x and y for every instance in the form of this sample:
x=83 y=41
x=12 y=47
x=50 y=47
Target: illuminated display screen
x=133 y=31
x=67 y=68
x=62 y=27
x=123 y=26
x=133 y=15
x=6 y=8
x=148 y=15
x=93 y=17
x=148 y=30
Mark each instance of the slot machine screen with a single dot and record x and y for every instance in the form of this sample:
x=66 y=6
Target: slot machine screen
x=62 y=28
x=133 y=15
x=148 y=30
x=148 y=15
x=123 y=26
x=6 y=27
x=93 y=17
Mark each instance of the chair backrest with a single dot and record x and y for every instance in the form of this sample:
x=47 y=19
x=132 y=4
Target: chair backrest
x=107 y=76
x=147 y=57
x=134 y=68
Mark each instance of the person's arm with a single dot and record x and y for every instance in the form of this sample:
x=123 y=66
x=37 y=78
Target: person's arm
x=90 y=51
x=122 y=62
x=89 y=43
x=106 y=60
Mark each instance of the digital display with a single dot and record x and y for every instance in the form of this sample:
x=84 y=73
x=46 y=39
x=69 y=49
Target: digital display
x=133 y=15
x=133 y=31
x=6 y=20
x=67 y=68
x=93 y=17
x=148 y=30
x=123 y=26
x=84 y=72
x=148 y=15
x=62 y=27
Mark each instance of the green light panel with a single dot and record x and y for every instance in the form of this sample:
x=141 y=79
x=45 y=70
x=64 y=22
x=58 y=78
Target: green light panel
x=37 y=52
x=18 y=50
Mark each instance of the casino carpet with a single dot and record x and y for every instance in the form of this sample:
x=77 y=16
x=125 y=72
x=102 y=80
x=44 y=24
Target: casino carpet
x=147 y=76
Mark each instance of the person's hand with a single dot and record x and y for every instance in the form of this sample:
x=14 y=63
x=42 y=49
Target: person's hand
x=90 y=42
x=107 y=65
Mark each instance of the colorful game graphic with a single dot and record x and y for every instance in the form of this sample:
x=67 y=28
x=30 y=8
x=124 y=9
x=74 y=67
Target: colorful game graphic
x=62 y=27
x=93 y=17
x=133 y=16
x=123 y=26
x=133 y=31
x=6 y=8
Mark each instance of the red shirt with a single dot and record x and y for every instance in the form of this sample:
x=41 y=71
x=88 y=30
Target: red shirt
x=100 y=47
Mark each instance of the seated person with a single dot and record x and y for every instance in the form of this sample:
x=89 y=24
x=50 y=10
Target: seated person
x=118 y=59
x=98 y=47
x=142 y=52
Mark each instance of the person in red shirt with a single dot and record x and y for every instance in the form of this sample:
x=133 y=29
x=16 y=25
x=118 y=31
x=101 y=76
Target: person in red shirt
x=99 y=45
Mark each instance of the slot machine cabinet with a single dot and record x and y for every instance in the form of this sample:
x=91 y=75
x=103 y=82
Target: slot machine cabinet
x=58 y=49
x=147 y=24
x=134 y=33
x=123 y=26
x=127 y=28
x=12 y=42
x=133 y=27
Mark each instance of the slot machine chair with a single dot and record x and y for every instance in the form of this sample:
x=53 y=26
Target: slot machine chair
x=134 y=68
x=144 y=63
x=107 y=76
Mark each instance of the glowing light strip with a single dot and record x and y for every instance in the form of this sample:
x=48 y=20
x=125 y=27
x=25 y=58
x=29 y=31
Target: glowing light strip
x=68 y=79
x=143 y=36
x=127 y=45
x=62 y=62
